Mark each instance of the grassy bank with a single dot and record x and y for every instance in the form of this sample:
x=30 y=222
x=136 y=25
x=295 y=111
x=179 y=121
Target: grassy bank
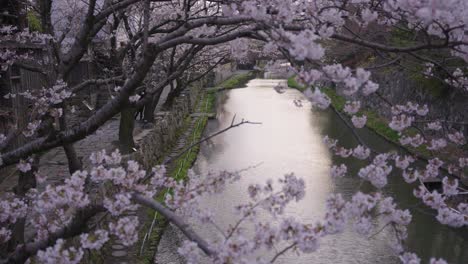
x=236 y=81
x=375 y=122
x=292 y=83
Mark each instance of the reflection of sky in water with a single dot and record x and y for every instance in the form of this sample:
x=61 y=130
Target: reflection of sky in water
x=290 y=139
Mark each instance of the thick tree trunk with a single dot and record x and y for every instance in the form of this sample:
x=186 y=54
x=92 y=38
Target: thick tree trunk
x=175 y=91
x=74 y=162
x=127 y=124
x=151 y=106
x=148 y=114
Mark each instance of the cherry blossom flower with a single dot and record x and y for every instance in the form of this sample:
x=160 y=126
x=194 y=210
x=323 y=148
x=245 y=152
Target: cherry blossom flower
x=437 y=144
x=359 y=121
x=254 y=190
x=409 y=258
x=450 y=217
x=434 y=126
x=237 y=247
x=463 y=208
x=463 y=162
x=433 y=199
x=363 y=225
x=31 y=128
x=457 y=138
x=376 y=174
x=404 y=162
x=352 y=108
x=318 y=98
x=429 y=69
x=368 y=16
x=437 y=261
x=190 y=251
x=120 y=203
x=414 y=141
x=24 y=166
x=5 y=235
x=126 y=230
x=266 y=235
x=410 y=176
x=422 y=110
x=336 y=215
x=58 y=255
x=310 y=76
x=337 y=73
x=12 y=209
x=338 y=171
x=361 y=152
x=343 y=152
x=95 y=240
x=370 y=88
x=331 y=143
x=40 y=178
x=401 y=122
x=304 y=46
x=293 y=187
x=450 y=186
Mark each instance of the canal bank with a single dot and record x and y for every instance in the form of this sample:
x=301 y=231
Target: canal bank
x=379 y=125
x=290 y=139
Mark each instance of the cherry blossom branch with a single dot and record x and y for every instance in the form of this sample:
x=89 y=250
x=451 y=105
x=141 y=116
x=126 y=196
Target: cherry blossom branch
x=176 y=220
x=284 y=250
x=83 y=85
x=76 y=227
x=388 y=48
x=353 y=131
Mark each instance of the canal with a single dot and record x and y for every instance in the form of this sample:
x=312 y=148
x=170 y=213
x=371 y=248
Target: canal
x=290 y=140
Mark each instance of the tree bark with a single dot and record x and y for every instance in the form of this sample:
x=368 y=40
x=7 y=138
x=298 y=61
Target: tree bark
x=150 y=107
x=175 y=91
x=127 y=124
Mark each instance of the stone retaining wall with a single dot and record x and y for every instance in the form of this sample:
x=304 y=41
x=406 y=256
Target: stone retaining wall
x=155 y=142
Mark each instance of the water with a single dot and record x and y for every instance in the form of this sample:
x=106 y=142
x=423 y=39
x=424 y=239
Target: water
x=290 y=140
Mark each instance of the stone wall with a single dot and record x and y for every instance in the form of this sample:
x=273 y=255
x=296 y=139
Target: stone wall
x=399 y=87
x=153 y=144
x=156 y=142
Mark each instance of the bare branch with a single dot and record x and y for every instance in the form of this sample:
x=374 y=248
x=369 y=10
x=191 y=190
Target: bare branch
x=233 y=125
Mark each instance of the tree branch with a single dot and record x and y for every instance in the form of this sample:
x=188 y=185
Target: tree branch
x=76 y=227
x=233 y=125
x=176 y=220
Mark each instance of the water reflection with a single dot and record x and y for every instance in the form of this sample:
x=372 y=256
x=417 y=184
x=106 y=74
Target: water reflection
x=290 y=139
